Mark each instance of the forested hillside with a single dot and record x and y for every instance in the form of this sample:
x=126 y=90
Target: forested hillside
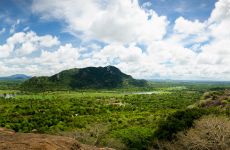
x=84 y=78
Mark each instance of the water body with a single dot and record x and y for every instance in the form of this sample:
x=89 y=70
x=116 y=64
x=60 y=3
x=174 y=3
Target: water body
x=148 y=93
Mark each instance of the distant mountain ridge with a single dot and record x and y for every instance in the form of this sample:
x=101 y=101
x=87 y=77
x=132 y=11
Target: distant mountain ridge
x=16 y=77
x=83 y=78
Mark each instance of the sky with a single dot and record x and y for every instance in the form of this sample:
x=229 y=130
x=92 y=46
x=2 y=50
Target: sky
x=148 y=39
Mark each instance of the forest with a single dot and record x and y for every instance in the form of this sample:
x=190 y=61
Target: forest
x=121 y=118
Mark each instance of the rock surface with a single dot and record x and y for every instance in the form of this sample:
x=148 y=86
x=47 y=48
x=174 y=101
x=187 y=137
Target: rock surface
x=9 y=140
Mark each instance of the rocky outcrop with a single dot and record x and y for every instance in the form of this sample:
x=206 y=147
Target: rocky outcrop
x=9 y=140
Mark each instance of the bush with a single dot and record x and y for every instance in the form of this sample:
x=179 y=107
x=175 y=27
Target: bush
x=136 y=138
x=209 y=132
x=178 y=121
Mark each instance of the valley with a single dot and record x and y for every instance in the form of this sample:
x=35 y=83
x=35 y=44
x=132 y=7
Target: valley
x=119 y=118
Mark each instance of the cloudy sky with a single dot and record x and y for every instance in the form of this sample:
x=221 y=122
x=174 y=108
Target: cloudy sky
x=151 y=39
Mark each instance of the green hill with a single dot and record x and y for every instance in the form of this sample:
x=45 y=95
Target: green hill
x=84 y=78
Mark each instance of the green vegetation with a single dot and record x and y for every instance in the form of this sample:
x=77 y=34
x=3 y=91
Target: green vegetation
x=122 y=118
x=85 y=78
x=131 y=119
x=10 y=84
x=209 y=132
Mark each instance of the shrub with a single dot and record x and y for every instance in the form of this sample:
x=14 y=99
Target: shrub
x=135 y=138
x=178 y=121
x=209 y=132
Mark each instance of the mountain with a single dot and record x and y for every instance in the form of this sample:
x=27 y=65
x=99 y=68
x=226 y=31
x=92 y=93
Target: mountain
x=16 y=77
x=83 y=78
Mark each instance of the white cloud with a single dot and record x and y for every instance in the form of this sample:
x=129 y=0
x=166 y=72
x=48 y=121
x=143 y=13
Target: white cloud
x=76 y=13
x=221 y=11
x=5 y=51
x=216 y=53
x=189 y=32
x=48 y=41
x=112 y=21
x=191 y=50
x=65 y=55
x=24 y=43
x=48 y=63
x=188 y=27
x=117 y=53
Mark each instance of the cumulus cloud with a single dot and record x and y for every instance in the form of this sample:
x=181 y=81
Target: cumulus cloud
x=221 y=11
x=5 y=51
x=24 y=43
x=65 y=55
x=124 y=21
x=137 y=40
x=188 y=27
x=216 y=53
x=47 y=63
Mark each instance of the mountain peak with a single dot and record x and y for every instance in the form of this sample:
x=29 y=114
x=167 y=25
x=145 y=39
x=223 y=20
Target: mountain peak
x=84 y=78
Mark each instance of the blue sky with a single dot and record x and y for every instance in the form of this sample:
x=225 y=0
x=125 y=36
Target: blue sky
x=167 y=39
x=190 y=9
x=13 y=10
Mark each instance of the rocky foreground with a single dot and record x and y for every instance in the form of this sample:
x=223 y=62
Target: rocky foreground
x=9 y=140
